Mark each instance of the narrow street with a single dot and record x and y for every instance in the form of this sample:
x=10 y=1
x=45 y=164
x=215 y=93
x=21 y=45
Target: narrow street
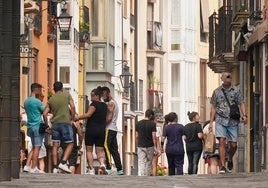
x=245 y=180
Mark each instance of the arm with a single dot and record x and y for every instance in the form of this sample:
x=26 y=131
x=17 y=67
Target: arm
x=243 y=111
x=80 y=134
x=72 y=108
x=155 y=141
x=212 y=117
x=88 y=114
x=45 y=114
x=110 y=112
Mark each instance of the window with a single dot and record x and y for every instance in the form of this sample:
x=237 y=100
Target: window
x=175 y=39
x=64 y=35
x=65 y=75
x=98 y=17
x=175 y=12
x=98 y=58
x=175 y=80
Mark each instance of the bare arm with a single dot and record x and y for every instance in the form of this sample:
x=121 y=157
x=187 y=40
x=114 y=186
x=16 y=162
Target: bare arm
x=72 y=108
x=80 y=134
x=243 y=111
x=212 y=116
x=88 y=114
x=45 y=114
x=110 y=112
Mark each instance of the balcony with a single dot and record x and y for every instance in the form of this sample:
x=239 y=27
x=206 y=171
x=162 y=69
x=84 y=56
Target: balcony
x=221 y=57
x=154 y=39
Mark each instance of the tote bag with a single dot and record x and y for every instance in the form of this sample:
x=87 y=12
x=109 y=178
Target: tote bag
x=210 y=142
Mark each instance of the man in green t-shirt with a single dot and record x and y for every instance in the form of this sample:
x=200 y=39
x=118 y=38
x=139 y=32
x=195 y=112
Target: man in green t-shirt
x=61 y=105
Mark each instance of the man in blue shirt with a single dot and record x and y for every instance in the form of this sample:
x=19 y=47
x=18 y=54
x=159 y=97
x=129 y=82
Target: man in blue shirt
x=34 y=108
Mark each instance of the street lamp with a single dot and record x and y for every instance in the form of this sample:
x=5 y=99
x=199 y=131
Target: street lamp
x=64 y=21
x=125 y=79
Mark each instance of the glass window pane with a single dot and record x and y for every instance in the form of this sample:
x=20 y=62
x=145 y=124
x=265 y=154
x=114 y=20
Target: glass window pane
x=175 y=12
x=98 y=58
x=175 y=80
x=65 y=75
x=175 y=40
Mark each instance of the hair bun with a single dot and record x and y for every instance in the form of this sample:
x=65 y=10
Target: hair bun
x=188 y=113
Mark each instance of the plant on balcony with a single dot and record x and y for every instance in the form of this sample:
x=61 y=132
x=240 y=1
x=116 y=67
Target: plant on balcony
x=152 y=81
x=83 y=31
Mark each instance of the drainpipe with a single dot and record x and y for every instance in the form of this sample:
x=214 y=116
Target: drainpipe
x=256 y=134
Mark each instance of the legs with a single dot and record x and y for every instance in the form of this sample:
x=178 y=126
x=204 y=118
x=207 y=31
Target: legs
x=171 y=165
x=154 y=165
x=145 y=156
x=190 y=155
x=229 y=132
x=90 y=156
x=111 y=149
x=196 y=157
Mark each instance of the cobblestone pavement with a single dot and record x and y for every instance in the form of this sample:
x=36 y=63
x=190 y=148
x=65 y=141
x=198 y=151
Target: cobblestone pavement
x=245 y=180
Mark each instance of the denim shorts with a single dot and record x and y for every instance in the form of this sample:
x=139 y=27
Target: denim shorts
x=62 y=132
x=36 y=137
x=229 y=132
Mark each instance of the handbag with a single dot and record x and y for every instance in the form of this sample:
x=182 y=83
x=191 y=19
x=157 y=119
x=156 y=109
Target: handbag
x=42 y=128
x=234 y=109
x=210 y=143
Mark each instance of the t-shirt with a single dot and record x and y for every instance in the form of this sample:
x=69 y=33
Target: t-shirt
x=145 y=129
x=59 y=106
x=193 y=143
x=98 y=118
x=33 y=108
x=173 y=133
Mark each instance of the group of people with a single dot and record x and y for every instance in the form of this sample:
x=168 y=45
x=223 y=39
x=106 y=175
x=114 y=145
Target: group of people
x=101 y=130
x=221 y=123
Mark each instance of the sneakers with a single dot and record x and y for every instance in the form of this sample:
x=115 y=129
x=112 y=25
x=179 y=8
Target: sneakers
x=120 y=172
x=26 y=169
x=222 y=170
x=55 y=171
x=90 y=171
x=109 y=171
x=230 y=166
x=65 y=168
x=36 y=170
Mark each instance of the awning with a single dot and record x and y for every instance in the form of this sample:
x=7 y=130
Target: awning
x=204 y=15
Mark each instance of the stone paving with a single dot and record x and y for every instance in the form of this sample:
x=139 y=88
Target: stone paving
x=245 y=180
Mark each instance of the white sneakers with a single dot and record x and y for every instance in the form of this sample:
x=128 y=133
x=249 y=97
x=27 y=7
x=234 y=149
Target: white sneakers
x=55 y=171
x=90 y=171
x=30 y=170
x=26 y=168
x=36 y=170
x=65 y=168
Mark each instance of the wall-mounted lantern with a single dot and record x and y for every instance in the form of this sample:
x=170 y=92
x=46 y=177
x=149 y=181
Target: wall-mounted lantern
x=126 y=78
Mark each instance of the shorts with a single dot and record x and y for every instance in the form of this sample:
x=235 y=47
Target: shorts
x=94 y=136
x=36 y=137
x=229 y=132
x=62 y=132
